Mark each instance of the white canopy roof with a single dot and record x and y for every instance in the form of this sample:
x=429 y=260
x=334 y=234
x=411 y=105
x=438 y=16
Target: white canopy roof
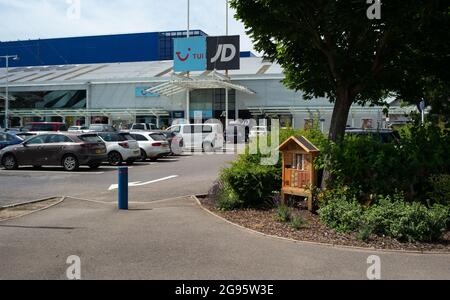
x=181 y=83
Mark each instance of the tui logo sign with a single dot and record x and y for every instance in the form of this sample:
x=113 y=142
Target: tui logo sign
x=190 y=54
x=207 y=53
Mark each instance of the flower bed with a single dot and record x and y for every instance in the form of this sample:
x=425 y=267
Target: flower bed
x=265 y=221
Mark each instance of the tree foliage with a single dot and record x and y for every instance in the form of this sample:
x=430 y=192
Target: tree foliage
x=330 y=48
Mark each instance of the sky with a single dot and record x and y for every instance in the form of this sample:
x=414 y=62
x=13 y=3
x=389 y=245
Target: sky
x=33 y=19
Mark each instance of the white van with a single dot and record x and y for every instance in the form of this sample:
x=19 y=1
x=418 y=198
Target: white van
x=207 y=137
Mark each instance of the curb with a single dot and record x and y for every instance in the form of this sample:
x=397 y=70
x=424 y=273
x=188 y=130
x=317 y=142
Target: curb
x=342 y=247
x=34 y=211
x=26 y=203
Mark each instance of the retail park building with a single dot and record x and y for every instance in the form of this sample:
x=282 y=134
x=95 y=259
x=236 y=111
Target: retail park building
x=107 y=79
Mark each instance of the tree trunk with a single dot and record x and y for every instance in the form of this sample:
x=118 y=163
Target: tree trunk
x=339 y=120
x=340 y=115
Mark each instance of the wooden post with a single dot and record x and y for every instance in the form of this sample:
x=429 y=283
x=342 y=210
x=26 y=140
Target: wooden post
x=283 y=198
x=310 y=202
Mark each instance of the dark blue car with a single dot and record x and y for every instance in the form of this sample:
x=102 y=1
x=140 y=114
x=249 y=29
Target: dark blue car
x=8 y=139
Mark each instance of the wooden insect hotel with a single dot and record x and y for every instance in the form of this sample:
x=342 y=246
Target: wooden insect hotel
x=299 y=174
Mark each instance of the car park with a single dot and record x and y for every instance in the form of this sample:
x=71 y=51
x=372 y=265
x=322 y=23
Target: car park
x=8 y=139
x=46 y=127
x=101 y=128
x=143 y=127
x=78 y=129
x=236 y=134
x=25 y=135
x=176 y=142
x=258 y=131
x=153 y=145
x=207 y=137
x=121 y=147
x=56 y=149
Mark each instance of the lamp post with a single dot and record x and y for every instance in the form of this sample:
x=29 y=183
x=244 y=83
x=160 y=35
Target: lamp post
x=188 y=92
x=226 y=73
x=7 y=58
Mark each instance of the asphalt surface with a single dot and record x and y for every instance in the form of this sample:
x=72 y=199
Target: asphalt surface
x=195 y=175
x=165 y=234
x=176 y=239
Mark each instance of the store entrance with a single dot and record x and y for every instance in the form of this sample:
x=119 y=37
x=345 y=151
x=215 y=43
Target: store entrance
x=211 y=102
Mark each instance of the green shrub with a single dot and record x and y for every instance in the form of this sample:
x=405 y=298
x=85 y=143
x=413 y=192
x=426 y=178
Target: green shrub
x=407 y=221
x=340 y=210
x=439 y=189
x=250 y=183
x=376 y=168
x=389 y=216
x=297 y=222
x=283 y=214
x=364 y=233
x=228 y=200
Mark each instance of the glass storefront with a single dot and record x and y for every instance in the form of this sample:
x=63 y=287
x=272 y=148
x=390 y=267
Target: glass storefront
x=211 y=102
x=75 y=99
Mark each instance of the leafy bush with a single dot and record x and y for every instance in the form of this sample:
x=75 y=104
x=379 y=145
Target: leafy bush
x=389 y=216
x=366 y=164
x=439 y=189
x=364 y=233
x=250 y=183
x=297 y=222
x=340 y=210
x=283 y=214
x=407 y=221
x=228 y=200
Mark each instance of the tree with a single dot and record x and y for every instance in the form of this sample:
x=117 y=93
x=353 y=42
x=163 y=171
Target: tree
x=330 y=48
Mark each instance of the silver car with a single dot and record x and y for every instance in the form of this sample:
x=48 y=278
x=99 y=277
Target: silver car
x=153 y=145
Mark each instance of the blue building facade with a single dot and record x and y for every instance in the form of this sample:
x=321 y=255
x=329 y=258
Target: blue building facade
x=135 y=47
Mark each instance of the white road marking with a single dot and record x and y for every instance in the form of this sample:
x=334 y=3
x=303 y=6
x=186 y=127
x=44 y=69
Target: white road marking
x=140 y=183
x=113 y=168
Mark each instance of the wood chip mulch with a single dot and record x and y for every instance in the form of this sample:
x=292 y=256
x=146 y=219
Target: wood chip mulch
x=265 y=222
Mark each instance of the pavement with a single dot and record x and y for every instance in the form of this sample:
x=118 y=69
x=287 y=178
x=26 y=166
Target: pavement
x=166 y=235
x=176 y=239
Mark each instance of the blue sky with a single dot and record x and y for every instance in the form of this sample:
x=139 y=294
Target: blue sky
x=31 y=19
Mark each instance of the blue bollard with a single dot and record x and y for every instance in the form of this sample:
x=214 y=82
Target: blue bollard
x=123 y=188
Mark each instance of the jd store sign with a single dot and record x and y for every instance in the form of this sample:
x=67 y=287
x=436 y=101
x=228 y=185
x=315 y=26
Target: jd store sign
x=207 y=53
x=223 y=53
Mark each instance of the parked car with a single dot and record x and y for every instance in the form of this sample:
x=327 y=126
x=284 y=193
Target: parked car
x=175 y=141
x=152 y=145
x=16 y=129
x=121 y=147
x=207 y=137
x=101 y=128
x=78 y=129
x=25 y=135
x=56 y=149
x=383 y=135
x=236 y=134
x=46 y=127
x=258 y=131
x=8 y=139
x=143 y=127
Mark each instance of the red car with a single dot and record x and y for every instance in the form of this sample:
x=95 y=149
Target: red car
x=46 y=127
